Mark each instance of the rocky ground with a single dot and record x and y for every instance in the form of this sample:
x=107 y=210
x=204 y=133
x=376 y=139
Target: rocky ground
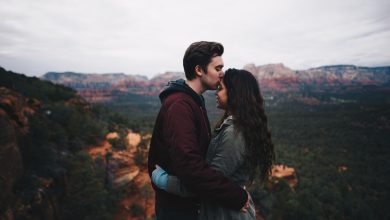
x=132 y=178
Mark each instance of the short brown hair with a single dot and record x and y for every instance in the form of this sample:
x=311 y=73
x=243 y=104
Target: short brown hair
x=200 y=53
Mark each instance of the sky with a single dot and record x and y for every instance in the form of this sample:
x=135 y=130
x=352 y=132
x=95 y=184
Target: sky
x=149 y=37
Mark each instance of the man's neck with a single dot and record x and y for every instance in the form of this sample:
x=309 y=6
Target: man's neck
x=196 y=85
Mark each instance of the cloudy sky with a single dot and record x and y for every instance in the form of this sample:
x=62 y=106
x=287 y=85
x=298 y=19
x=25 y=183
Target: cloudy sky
x=148 y=37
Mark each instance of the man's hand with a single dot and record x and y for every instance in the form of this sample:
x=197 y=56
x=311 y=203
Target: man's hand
x=246 y=206
x=160 y=178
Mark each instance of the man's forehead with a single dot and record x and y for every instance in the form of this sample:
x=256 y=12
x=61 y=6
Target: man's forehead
x=217 y=61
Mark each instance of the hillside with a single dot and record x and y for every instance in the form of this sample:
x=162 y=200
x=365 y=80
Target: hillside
x=47 y=172
x=332 y=147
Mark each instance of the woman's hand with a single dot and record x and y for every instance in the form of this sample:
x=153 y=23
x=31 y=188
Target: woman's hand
x=160 y=178
x=246 y=206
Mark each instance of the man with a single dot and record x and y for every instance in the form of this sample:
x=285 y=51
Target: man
x=182 y=134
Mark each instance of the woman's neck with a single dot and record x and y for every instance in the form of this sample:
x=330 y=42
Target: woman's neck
x=228 y=113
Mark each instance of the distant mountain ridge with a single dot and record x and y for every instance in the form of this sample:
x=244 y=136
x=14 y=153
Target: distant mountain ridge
x=90 y=80
x=277 y=77
x=99 y=87
x=271 y=77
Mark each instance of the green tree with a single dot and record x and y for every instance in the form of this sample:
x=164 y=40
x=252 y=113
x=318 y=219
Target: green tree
x=86 y=196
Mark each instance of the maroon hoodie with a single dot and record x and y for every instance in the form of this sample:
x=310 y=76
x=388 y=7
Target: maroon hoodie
x=179 y=144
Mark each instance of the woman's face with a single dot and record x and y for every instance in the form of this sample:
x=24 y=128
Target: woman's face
x=222 y=98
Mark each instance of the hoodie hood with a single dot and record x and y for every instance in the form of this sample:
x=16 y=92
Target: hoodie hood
x=180 y=86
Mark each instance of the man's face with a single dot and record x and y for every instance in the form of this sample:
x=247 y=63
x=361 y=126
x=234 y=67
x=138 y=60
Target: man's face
x=214 y=74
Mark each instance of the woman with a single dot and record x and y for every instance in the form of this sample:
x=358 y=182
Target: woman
x=241 y=148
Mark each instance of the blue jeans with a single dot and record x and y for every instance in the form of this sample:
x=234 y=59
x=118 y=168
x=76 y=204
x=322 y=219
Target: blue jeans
x=164 y=213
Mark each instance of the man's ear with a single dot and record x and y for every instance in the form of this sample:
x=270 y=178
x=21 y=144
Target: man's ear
x=198 y=70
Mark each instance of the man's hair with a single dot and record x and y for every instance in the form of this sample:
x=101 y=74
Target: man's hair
x=200 y=53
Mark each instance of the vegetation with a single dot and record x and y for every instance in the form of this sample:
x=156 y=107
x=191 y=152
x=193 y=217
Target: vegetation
x=32 y=87
x=121 y=142
x=60 y=179
x=338 y=146
x=137 y=210
x=86 y=196
x=317 y=140
x=347 y=128
x=138 y=112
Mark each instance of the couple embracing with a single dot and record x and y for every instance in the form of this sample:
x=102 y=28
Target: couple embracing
x=197 y=176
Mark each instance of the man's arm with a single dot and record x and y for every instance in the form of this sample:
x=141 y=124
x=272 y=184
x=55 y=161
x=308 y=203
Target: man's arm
x=188 y=163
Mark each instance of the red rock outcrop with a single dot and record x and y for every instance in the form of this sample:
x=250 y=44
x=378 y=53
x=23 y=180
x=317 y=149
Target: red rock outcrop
x=13 y=123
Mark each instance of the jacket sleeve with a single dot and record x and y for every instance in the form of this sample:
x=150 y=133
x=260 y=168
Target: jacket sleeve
x=227 y=158
x=229 y=152
x=175 y=186
x=190 y=166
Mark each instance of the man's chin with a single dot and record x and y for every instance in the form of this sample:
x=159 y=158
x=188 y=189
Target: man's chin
x=214 y=87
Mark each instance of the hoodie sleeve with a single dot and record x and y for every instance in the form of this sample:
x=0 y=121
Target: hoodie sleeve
x=188 y=163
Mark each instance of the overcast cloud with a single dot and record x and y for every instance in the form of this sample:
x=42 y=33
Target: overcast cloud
x=148 y=37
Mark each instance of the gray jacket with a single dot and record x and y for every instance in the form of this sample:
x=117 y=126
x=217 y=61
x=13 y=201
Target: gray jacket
x=225 y=154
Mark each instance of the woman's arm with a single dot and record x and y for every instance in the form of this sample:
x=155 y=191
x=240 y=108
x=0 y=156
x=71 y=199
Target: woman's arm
x=169 y=183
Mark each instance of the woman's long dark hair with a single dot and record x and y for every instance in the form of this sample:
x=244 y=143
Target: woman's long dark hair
x=246 y=104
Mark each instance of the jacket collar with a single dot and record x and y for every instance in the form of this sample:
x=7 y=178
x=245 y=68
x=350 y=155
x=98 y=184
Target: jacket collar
x=227 y=122
x=181 y=86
